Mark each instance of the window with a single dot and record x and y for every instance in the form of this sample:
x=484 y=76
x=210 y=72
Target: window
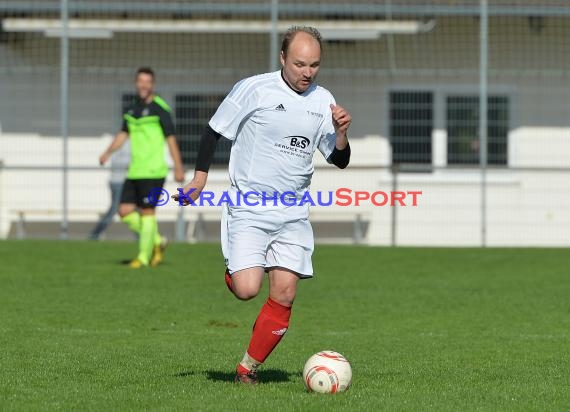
x=463 y=129
x=193 y=111
x=127 y=101
x=411 y=126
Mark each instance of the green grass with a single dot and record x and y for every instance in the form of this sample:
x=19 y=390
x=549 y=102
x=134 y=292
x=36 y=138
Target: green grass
x=425 y=329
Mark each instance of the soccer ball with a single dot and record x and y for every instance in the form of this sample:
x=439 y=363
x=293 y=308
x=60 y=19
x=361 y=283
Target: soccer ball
x=327 y=372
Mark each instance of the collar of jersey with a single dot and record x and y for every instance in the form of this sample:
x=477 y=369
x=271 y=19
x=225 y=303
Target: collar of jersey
x=291 y=90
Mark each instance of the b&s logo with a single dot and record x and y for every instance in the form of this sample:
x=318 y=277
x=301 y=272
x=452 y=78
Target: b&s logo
x=301 y=142
x=297 y=146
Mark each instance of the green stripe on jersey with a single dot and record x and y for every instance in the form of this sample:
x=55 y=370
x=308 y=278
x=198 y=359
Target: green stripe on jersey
x=158 y=100
x=147 y=148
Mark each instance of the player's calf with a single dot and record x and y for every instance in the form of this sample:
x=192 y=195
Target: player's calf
x=269 y=328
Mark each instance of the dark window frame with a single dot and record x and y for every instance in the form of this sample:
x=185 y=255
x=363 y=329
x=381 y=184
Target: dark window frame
x=192 y=111
x=405 y=136
x=462 y=139
x=128 y=99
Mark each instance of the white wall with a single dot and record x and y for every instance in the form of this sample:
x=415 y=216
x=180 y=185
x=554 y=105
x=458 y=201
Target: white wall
x=525 y=208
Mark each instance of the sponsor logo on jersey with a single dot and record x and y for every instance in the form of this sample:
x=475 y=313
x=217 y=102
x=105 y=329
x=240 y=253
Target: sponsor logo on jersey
x=298 y=146
x=280 y=108
x=301 y=142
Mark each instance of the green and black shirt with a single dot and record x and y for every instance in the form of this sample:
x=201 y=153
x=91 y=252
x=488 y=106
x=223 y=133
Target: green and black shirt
x=148 y=125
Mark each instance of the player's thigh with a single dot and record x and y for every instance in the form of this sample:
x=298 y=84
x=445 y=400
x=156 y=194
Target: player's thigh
x=247 y=282
x=244 y=239
x=292 y=248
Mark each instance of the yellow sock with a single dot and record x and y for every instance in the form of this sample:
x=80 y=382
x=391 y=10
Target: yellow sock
x=133 y=221
x=157 y=237
x=146 y=238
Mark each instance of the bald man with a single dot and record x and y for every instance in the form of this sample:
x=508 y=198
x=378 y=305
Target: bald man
x=276 y=121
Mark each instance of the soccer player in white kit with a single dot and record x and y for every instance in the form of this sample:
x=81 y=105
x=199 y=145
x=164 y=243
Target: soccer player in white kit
x=276 y=121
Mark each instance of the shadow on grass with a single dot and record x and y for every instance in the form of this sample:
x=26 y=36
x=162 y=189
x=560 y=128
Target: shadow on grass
x=265 y=376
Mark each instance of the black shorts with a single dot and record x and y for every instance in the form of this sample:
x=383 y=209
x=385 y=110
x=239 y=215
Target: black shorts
x=145 y=193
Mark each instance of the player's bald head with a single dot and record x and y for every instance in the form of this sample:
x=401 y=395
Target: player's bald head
x=300 y=57
x=299 y=36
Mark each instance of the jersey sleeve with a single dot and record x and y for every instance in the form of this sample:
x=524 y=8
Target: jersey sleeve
x=124 y=125
x=166 y=123
x=238 y=105
x=327 y=141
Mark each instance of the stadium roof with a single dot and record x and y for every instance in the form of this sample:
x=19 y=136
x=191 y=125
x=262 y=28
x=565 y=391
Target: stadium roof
x=291 y=8
x=105 y=28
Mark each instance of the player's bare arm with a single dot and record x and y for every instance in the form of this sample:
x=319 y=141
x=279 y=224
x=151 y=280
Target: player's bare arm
x=176 y=158
x=117 y=142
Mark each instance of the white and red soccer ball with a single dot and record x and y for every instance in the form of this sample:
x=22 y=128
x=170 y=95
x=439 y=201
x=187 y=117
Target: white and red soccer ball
x=327 y=372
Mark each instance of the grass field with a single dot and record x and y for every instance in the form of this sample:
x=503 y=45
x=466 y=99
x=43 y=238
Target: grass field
x=425 y=329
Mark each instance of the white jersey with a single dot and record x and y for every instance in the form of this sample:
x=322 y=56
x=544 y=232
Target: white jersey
x=274 y=132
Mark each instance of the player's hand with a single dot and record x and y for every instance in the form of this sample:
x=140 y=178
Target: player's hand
x=104 y=158
x=341 y=119
x=192 y=190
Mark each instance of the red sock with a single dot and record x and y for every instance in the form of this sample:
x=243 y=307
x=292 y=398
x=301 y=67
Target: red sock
x=269 y=328
x=229 y=282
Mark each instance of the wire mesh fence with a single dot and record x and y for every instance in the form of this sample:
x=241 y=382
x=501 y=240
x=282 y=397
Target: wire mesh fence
x=409 y=71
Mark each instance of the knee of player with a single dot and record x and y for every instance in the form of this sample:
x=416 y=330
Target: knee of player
x=125 y=210
x=284 y=296
x=246 y=293
x=247 y=283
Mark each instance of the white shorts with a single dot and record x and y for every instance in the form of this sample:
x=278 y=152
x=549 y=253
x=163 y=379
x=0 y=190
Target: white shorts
x=267 y=238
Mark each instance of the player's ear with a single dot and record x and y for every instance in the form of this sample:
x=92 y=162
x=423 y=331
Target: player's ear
x=282 y=58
